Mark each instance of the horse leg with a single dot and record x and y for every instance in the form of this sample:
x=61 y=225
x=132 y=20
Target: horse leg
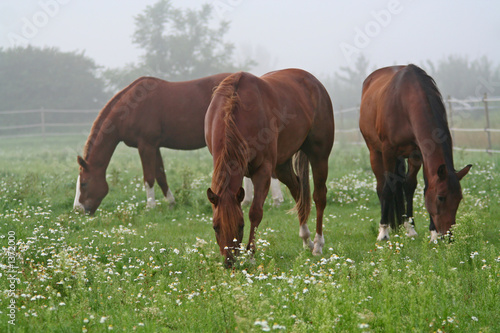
x=276 y=193
x=432 y=226
x=287 y=176
x=261 y=180
x=161 y=179
x=391 y=183
x=319 y=168
x=378 y=170
x=148 y=160
x=248 y=186
x=414 y=164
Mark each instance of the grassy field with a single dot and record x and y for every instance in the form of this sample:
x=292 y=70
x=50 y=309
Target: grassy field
x=131 y=269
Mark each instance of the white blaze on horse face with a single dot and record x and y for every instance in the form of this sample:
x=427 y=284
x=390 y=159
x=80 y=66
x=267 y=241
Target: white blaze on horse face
x=170 y=197
x=150 y=195
x=76 y=204
x=319 y=241
x=383 y=232
x=248 y=186
x=304 y=233
x=276 y=192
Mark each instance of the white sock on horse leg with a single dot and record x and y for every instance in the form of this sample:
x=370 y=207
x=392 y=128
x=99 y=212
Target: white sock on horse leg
x=150 y=195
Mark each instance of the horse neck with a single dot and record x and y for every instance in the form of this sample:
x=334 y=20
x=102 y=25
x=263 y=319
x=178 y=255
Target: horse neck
x=102 y=150
x=436 y=148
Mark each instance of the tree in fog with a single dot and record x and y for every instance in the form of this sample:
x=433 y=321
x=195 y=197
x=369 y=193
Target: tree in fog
x=178 y=45
x=34 y=78
x=460 y=78
x=345 y=86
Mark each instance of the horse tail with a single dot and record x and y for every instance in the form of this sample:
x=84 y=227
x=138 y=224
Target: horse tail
x=303 y=202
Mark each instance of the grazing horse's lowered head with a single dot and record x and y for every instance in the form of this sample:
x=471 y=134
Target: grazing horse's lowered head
x=402 y=116
x=254 y=127
x=442 y=198
x=91 y=187
x=228 y=222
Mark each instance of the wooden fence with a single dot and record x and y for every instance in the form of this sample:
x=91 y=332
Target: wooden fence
x=43 y=123
x=474 y=124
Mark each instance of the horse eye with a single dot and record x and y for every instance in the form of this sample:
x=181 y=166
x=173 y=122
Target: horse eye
x=441 y=198
x=216 y=228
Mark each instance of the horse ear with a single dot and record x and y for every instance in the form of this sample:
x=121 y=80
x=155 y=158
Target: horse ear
x=463 y=172
x=240 y=195
x=212 y=197
x=442 y=172
x=82 y=162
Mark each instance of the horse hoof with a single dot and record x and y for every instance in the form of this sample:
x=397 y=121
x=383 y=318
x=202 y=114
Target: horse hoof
x=434 y=235
x=318 y=253
x=410 y=229
x=383 y=232
x=411 y=233
x=308 y=245
x=319 y=242
x=276 y=203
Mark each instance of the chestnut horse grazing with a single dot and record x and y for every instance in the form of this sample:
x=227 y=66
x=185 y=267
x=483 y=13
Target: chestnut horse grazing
x=148 y=114
x=403 y=117
x=255 y=126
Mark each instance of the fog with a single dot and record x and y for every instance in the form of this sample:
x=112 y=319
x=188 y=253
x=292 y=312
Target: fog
x=318 y=36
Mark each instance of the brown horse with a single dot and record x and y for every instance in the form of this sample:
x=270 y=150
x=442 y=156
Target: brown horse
x=403 y=117
x=148 y=114
x=254 y=127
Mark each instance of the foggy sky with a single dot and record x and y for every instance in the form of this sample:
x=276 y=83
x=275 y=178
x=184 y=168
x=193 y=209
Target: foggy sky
x=318 y=36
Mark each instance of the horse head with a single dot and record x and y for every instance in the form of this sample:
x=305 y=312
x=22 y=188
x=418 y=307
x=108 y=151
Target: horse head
x=443 y=197
x=91 y=187
x=228 y=222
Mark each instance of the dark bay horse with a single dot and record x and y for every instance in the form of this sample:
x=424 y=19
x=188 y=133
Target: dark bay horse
x=255 y=126
x=403 y=118
x=148 y=114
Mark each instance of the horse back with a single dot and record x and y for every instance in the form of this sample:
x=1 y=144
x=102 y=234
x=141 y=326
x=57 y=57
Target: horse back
x=294 y=105
x=385 y=117
x=163 y=113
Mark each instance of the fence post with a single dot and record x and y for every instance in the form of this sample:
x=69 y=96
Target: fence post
x=450 y=114
x=450 y=111
x=487 y=129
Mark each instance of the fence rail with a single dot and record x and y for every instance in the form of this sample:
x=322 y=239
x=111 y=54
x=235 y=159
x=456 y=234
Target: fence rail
x=470 y=120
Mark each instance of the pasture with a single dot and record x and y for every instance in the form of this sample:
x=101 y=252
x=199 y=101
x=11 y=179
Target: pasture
x=132 y=269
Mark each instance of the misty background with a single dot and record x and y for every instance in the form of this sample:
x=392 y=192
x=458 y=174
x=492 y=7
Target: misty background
x=73 y=54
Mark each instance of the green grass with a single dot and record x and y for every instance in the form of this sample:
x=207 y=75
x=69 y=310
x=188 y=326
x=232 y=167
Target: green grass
x=159 y=270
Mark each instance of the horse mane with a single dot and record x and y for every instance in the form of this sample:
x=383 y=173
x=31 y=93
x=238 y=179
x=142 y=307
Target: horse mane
x=233 y=157
x=103 y=115
x=436 y=105
x=234 y=154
